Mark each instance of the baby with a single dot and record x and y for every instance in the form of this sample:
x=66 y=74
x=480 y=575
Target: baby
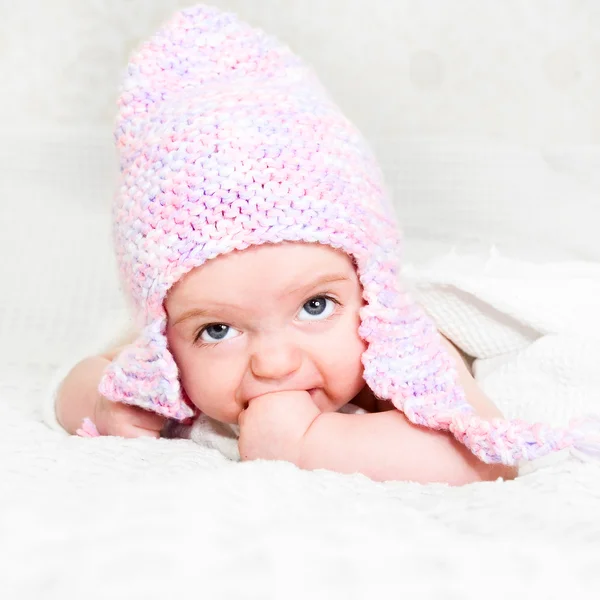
x=259 y=250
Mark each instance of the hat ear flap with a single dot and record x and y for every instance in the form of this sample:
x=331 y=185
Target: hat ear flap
x=512 y=441
x=407 y=364
x=145 y=374
x=405 y=361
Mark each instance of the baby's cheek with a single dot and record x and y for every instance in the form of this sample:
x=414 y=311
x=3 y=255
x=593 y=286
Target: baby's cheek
x=340 y=358
x=203 y=382
x=211 y=394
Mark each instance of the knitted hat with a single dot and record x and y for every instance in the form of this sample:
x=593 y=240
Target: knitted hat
x=227 y=140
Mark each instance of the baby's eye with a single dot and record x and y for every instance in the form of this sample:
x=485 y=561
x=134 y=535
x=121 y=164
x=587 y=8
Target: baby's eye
x=215 y=333
x=319 y=308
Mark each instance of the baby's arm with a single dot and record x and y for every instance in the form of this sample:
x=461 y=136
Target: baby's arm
x=381 y=445
x=385 y=445
x=78 y=397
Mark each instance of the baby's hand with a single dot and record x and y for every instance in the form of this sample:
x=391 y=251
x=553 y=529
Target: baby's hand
x=123 y=420
x=273 y=426
x=78 y=398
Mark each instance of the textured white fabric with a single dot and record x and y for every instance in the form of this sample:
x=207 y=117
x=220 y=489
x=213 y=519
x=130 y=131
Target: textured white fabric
x=534 y=330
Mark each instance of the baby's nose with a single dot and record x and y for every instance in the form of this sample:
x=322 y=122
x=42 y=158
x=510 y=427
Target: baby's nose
x=275 y=360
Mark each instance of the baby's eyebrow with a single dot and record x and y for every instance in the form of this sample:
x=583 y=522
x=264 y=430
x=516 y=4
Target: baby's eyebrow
x=328 y=278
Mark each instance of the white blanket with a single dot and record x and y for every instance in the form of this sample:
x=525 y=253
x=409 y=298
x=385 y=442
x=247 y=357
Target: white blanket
x=112 y=518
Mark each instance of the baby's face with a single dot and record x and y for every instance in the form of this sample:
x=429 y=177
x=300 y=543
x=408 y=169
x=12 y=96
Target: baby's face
x=266 y=319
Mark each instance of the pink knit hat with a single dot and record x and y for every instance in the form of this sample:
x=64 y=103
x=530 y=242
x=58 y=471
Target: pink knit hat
x=227 y=140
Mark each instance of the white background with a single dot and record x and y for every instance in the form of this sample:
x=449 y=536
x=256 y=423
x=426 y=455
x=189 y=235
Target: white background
x=526 y=71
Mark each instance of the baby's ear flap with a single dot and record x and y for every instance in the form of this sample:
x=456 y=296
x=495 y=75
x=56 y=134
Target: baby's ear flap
x=405 y=360
x=145 y=374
